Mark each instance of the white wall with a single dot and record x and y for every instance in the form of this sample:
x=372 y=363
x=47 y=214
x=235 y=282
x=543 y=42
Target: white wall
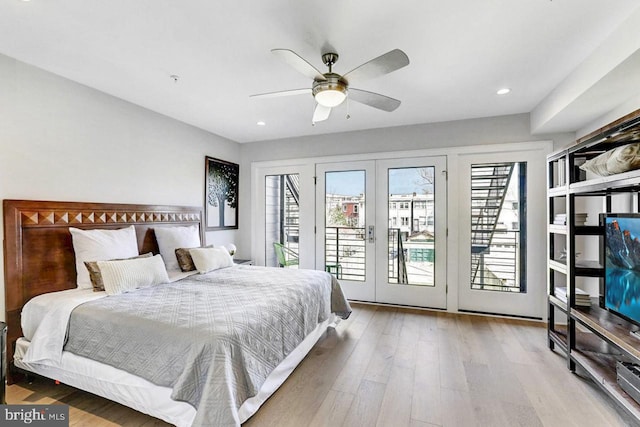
x=628 y=107
x=63 y=141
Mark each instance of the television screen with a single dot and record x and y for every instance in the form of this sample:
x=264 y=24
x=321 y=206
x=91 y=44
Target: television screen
x=622 y=265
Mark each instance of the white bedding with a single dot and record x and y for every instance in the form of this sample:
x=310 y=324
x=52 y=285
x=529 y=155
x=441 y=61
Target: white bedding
x=46 y=317
x=37 y=308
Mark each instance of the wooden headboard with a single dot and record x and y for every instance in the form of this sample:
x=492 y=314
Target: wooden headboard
x=38 y=251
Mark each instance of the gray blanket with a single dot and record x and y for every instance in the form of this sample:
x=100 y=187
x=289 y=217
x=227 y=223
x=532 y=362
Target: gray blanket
x=213 y=338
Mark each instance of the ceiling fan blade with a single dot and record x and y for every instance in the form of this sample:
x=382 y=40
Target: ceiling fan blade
x=282 y=93
x=374 y=100
x=299 y=63
x=321 y=113
x=383 y=64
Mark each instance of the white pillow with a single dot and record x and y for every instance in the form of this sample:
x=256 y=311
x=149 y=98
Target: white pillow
x=171 y=238
x=209 y=259
x=101 y=245
x=617 y=160
x=129 y=274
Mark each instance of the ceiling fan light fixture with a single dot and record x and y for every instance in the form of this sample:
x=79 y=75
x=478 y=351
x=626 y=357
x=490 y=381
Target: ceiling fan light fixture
x=330 y=89
x=330 y=92
x=331 y=97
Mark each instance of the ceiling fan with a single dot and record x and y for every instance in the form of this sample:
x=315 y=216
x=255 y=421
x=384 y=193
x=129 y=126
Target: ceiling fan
x=331 y=89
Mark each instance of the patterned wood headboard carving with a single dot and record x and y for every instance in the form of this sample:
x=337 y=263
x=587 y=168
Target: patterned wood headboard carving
x=47 y=218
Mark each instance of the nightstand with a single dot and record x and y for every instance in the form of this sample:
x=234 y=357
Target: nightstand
x=243 y=261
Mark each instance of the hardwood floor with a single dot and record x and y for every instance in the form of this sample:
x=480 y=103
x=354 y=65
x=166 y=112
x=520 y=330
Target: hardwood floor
x=402 y=367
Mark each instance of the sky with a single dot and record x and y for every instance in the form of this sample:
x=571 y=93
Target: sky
x=352 y=183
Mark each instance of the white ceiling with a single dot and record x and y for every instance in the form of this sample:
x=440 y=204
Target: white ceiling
x=461 y=52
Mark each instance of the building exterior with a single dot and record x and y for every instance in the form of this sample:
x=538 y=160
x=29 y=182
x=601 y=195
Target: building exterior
x=411 y=213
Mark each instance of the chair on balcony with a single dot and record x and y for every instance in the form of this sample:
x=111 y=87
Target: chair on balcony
x=286 y=257
x=335 y=269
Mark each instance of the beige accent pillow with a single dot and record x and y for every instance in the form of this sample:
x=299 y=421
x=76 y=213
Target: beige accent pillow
x=209 y=259
x=618 y=160
x=130 y=274
x=96 y=276
x=184 y=258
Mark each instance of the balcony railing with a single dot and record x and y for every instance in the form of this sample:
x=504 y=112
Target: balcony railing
x=345 y=252
x=495 y=266
x=412 y=261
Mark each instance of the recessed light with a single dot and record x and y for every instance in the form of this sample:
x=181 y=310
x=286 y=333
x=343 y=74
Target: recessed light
x=261 y=123
x=503 y=91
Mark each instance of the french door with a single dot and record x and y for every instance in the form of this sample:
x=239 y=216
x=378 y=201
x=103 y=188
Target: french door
x=501 y=229
x=345 y=225
x=381 y=229
x=412 y=240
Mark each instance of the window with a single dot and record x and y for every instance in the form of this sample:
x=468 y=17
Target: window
x=392 y=205
x=282 y=215
x=498 y=198
x=405 y=220
x=344 y=242
x=355 y=208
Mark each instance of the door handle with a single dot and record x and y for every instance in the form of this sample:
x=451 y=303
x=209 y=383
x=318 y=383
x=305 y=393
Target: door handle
x=371 y=235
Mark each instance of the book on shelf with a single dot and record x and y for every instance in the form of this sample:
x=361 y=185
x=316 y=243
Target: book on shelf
x=579 y=219
x=560 y=219
x=583 y=299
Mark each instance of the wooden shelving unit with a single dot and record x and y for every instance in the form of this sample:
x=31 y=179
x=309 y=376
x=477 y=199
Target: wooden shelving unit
x=592 y=338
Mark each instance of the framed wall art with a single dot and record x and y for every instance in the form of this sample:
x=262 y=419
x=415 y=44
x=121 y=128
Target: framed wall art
x=220 y=194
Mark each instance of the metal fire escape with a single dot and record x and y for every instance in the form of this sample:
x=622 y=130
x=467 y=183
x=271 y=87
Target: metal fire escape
x=489 y=183
x=293 y=184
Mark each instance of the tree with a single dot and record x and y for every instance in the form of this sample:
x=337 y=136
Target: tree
x=426 y=179
x=337 y=218
x=222 y=186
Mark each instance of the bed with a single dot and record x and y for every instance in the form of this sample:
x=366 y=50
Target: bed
x=248 y=327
